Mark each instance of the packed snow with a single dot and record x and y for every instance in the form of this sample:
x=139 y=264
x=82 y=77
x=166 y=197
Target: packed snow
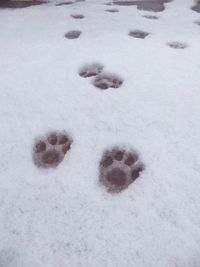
x=63 y=216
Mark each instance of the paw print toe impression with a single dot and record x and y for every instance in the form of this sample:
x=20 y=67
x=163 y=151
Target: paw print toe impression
x=119 y=168
x=49 y=151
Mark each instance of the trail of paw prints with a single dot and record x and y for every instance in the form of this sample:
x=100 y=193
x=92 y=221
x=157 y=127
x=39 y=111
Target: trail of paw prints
x=119 y=168
x=177 y=45
x=49 y=151
x=73 y=34
x=101 y=80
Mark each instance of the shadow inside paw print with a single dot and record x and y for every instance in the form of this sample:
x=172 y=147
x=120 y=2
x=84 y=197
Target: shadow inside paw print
x=48 y=152
x=119 y=168
x=72 y=34
x=105 y=81
x=177 y=45
x=90 y=70
x=138 y=34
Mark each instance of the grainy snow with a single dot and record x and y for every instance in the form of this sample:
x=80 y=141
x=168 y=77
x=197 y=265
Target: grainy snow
x=63 y=217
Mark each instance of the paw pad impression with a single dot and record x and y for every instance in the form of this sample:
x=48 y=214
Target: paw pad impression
x=119 y=168
x=49 y=151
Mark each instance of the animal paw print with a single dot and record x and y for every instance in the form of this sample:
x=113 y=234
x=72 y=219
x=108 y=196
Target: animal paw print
x=138 y=34
x=78 y=16
x=119 y=168
x=49 y=151
x=102 y=80
x=112 y=10
x=196 y=7
x=90 y=70
x=73 y=34
x=105 y=81
x=177 y=45
x=150 y=17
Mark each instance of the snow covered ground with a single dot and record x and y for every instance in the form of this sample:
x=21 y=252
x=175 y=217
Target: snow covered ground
x=63 y=217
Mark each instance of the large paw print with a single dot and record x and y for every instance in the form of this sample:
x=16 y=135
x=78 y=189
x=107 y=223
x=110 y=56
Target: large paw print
x=119 y=168
x=49 y=151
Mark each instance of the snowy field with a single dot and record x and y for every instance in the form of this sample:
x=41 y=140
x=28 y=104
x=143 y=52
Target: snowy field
x=63 y=216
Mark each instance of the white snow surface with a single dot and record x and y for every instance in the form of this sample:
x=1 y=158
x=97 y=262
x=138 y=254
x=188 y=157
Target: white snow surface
x=63 y=217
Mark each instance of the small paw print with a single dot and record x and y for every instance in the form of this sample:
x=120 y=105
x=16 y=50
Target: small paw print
x=48 y=152
x=119 y=168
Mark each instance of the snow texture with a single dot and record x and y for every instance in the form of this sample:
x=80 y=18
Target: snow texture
x=64 y=217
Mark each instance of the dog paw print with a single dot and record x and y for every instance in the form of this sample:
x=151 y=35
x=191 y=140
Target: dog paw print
x=49 y=151
x=119 y=168
x=90 y=70
x=72 y=34
x=105 y=81
x=177 y=45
